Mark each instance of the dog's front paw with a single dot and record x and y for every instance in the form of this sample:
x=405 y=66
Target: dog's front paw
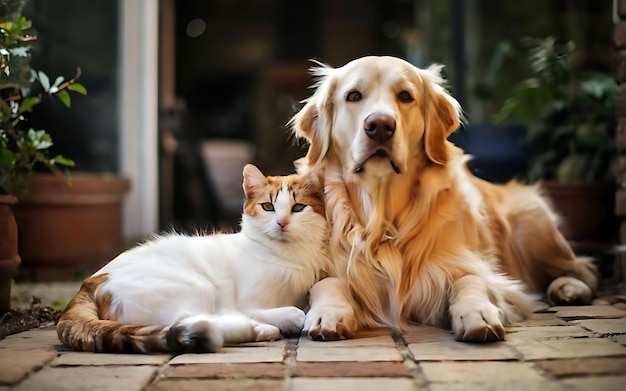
x=477 y=324
x=329 y=324
x=569 y=291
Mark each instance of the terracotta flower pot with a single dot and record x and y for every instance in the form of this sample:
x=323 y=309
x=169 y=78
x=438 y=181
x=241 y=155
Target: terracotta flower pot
x=67 y=231
x=586 y=209
x=9 y=258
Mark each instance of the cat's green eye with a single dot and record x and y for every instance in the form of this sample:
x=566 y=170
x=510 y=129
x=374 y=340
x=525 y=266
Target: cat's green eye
x=297 y=208
x=268 y=206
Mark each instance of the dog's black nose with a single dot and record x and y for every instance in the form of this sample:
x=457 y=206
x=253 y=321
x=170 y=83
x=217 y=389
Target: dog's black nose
x=379 y=127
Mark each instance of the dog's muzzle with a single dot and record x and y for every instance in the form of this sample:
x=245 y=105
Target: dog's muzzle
x=379 y=127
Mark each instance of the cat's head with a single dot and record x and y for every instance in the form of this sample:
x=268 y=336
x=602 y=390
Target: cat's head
x=283 y=207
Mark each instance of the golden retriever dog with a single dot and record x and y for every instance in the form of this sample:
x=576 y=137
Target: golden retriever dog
x=415 y=237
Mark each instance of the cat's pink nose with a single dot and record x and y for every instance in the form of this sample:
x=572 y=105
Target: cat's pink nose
x=283 y=224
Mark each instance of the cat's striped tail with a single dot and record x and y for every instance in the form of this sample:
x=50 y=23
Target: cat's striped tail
x=82 y=327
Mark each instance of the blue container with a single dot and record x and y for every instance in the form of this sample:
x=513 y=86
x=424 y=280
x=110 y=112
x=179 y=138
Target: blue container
x=500 y=151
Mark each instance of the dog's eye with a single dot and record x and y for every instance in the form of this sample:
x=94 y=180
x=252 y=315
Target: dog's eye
x=405 y=97
x=353 y=96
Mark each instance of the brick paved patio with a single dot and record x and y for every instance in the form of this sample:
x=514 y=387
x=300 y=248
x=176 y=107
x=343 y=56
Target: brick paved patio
x=560 y=348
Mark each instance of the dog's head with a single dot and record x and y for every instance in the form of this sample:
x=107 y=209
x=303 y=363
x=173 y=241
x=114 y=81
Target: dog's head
x=375 y=113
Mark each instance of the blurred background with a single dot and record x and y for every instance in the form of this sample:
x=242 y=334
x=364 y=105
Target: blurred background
x=210 y=84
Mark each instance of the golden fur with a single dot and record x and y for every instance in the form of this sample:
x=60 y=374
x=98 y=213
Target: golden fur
x=414 y=235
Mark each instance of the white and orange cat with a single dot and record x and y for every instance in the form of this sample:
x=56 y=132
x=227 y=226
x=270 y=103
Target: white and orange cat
x=178 y=293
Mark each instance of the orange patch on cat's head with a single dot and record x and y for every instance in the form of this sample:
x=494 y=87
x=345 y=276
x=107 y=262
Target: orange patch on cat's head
x=307 y=189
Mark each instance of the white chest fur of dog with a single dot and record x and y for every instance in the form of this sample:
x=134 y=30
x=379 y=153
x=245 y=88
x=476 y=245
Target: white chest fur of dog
x=415 y=236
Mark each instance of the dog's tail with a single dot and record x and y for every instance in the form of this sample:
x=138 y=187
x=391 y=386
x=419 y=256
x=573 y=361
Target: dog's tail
x=539 y=245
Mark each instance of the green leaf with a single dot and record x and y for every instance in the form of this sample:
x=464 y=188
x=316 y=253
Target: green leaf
x=64 y=97
x=28 y=103
x=77 y=87
x=60 y=160
x=6 y=157
x=23 y=23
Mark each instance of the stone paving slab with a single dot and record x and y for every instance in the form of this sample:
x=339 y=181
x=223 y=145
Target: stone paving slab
x=256 y=370
x=89 y=378
x=242 y=384
x=33 y=339
x=485 y=376
x=596 y=383
x=235 y=355
x=620 y=339
x=351 y=384
x=352 y=369
x=603 y=326
x=384 y=341
x=505 y=386
x=357 y=353
x=452 y=350
x=420 y=334
x=540 y=319
x=588 y=311
x=17 y=364
x=517 y=335
x=570 y=348
x=84 y=358
x=480 y=372
x=584 y=366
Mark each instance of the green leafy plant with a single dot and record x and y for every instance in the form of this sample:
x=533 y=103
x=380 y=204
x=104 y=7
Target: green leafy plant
x=22 y=148
x=569 y=114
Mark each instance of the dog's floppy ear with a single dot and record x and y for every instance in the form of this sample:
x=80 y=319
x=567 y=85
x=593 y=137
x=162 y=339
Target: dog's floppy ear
x=314 y=121
x=441 y=115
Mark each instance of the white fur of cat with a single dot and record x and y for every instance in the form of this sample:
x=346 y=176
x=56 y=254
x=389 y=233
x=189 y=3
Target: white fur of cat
x=196 y=293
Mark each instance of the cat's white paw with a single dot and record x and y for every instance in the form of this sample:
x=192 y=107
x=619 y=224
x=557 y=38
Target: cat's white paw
x=291 y=323
x=288 y=319
x=266 y=332
x=196 y=334
x=477 y=322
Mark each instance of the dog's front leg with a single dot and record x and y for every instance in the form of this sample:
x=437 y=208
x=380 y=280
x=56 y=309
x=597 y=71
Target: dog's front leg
x=331 y=316
x=474 y=317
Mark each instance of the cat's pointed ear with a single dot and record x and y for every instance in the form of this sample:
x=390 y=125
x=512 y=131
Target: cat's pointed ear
x=253 y=179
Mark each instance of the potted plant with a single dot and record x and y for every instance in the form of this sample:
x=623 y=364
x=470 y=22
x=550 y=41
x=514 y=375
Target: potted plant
x=65 y=232
x=570 y=120
x=22 y=148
